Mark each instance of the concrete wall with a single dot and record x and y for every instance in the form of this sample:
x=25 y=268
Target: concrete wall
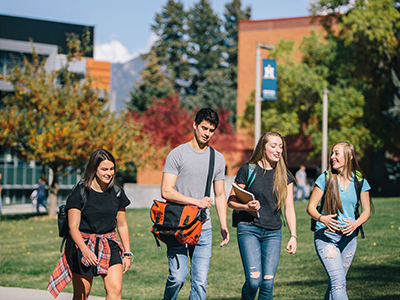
x=142 y=196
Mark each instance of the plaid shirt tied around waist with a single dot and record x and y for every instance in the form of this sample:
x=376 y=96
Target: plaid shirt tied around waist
x=62 y=274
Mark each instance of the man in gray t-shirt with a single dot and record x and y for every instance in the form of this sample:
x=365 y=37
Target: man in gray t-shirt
x=184 y=181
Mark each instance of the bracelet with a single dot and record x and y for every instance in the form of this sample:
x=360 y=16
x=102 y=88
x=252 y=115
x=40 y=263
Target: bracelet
x=294 y=236
x=85 y=250
x=319 y=218
x=128 y=255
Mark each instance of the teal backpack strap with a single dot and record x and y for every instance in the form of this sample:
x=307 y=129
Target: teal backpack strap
x=251 y=176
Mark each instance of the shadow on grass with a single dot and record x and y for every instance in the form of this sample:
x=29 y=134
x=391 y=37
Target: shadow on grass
x=374 y=282
x=23 y=216
x=376 y=274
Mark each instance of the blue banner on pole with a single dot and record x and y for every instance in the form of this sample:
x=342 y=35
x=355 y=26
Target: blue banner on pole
x=269 y=80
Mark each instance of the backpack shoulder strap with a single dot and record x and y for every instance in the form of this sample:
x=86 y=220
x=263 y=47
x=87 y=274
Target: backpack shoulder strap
x=83 y=193
x=117 y=190
x=251 y=175
x=210 y=172
x=358 y=183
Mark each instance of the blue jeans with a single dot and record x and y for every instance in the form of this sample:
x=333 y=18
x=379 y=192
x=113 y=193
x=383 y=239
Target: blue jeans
x=40 y=201
x=260 y=251
x=302 y=189
x=200 y=256
x=336 y=252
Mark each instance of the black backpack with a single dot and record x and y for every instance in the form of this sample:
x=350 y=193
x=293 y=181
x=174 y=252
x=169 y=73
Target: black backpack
x=63 y=230
x=358 y=183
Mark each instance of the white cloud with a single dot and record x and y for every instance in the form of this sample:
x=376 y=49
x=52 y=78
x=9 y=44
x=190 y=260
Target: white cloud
x=113 y=51
x=116 y=52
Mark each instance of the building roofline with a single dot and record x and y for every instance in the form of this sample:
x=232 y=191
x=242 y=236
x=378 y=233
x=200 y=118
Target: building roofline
x=43 y=20
x=276 y=19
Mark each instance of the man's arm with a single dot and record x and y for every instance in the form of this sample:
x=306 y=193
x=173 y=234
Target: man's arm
x=170 y=194
x=221 y=206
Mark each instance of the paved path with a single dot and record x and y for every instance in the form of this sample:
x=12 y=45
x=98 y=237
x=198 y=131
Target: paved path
x=11 y=293
x=20 y=209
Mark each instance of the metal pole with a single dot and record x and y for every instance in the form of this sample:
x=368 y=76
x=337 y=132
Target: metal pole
x=257 y=104
x=324 y=158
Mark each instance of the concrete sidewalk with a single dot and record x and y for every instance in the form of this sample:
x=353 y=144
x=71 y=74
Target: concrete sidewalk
x=12 y=293
x=20 y=209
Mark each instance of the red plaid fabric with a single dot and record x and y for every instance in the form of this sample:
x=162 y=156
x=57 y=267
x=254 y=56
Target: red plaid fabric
x=62 y=274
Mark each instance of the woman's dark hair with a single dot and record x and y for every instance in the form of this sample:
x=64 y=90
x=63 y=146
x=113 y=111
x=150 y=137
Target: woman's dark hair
x=95 y=159
x=207 y=114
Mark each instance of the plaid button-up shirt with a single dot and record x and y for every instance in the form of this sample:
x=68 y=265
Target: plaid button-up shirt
x=62 y=274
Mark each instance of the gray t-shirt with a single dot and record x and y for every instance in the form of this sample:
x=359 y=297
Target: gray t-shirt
x=191 y=167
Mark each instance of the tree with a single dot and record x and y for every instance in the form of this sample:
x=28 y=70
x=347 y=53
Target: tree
x=154 y=85
x=215 y=91
x=233 y=14
x=366 y=54
x=166 y=123
x=357 y=60
x=298 y=110
x=171 y=47
x=59 y=120
x=205 y=42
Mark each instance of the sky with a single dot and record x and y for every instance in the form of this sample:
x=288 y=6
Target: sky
x=123 y=27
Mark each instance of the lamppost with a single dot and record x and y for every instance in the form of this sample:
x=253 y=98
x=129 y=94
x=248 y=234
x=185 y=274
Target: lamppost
x=257 y=104
x=324 y=158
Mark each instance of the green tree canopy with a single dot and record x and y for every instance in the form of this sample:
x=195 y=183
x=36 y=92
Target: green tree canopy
x=356 y=59
x=171 y=47
x=196 y=53
x=233 y=14
x=154 y=85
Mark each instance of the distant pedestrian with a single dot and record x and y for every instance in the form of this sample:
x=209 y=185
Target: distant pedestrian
x=335 y=232
x=301 y=178
x=33 y=197
x=41 y=195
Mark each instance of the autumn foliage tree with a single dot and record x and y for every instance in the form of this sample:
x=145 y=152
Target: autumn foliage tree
x=58 y=119
x=169 y=125
x=166 y=122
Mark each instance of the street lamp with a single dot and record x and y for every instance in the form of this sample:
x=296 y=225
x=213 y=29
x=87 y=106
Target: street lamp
x=257 y=104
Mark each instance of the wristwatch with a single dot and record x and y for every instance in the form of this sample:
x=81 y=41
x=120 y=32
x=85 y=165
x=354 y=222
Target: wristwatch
x=129 y=254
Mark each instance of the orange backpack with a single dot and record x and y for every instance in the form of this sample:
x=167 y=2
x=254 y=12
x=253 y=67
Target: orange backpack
x=176 y=224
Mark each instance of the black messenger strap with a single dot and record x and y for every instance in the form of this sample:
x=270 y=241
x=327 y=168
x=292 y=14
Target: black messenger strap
x=210 y=172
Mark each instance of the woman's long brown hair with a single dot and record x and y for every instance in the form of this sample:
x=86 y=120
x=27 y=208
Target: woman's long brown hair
x=281 y=170
x=333 y=203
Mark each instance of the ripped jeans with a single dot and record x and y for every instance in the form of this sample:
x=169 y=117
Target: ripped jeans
x=336 y=252
x=260 y=251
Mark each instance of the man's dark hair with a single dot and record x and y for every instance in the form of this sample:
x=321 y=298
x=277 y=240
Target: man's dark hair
x=207 y=114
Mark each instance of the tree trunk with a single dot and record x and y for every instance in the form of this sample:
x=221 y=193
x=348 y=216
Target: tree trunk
x=53 y=193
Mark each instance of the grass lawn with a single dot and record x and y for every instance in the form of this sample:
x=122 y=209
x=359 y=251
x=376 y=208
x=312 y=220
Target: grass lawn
x=30 y=250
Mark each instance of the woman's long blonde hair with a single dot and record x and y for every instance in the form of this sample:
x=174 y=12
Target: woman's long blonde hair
x=333 y=203
x=281 y=170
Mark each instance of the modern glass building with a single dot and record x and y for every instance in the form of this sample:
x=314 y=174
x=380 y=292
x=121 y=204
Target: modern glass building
x=17 y=38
